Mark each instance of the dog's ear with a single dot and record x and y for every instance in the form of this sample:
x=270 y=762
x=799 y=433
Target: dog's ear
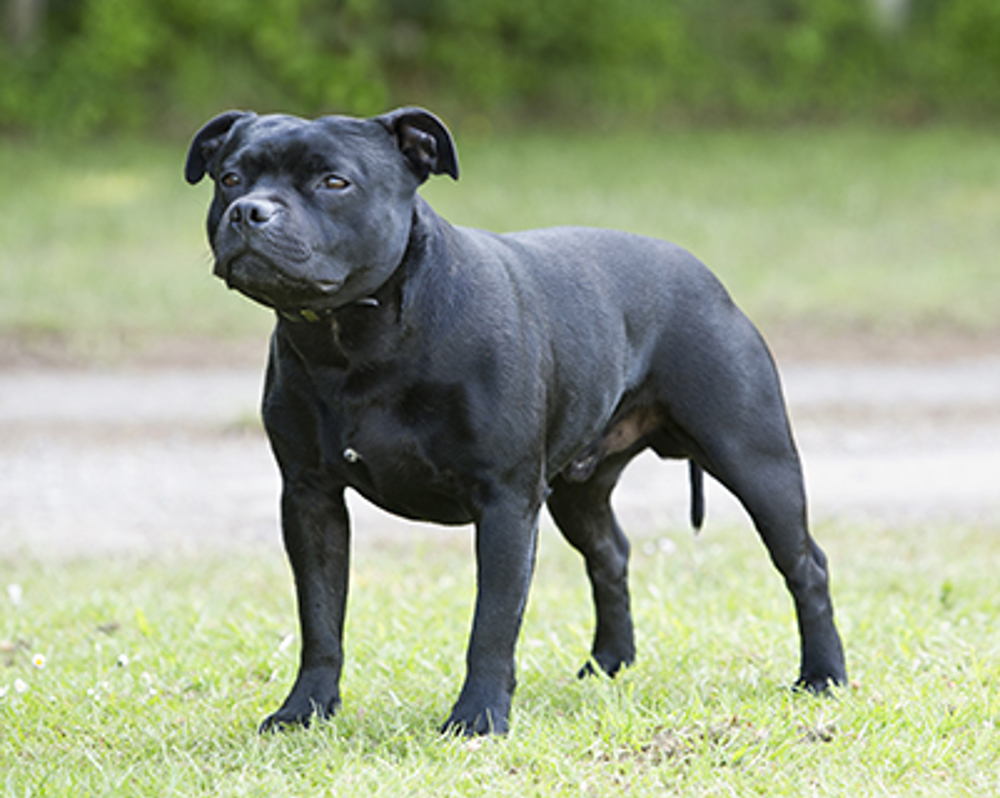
x=424 y=140
x=206 y=143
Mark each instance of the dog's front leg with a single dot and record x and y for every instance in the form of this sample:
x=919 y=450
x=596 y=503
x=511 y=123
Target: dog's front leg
x=506 y=538
x=317 y=539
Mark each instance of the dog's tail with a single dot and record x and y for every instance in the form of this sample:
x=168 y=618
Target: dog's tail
x=697 y=478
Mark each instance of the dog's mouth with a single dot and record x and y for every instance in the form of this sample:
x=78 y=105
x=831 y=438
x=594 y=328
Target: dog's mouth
x=264 y=281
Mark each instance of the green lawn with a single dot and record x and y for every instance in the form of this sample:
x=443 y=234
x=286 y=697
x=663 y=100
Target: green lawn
x=155 y=675
x=884 y=230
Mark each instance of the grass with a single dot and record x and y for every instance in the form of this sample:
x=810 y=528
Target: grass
x=887 y=230
x=156 y=673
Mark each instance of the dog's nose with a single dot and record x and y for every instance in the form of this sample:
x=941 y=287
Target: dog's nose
x=251 y=212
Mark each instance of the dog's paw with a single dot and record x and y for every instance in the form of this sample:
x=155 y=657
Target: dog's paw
x=817 y=684
x=608 y=664
x=314 y=696
x=296 y=715
x=286 y=720
x=479 y=712
x=475 y=724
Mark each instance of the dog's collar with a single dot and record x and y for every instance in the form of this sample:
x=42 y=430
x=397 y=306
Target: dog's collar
x=311 y=316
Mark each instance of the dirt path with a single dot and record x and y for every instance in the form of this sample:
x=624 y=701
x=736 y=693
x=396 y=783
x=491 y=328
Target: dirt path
x=167 y=460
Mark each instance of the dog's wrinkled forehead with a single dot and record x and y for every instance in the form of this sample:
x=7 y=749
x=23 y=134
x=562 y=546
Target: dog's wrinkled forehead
x=302 y=148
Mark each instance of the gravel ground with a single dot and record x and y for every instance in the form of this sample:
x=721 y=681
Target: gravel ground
x=155 y=461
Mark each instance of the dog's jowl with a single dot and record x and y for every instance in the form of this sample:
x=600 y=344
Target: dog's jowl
x=459 y=376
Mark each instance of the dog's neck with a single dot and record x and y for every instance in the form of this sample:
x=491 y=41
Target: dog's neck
x=309 y=316
x=363 y=332
x=351 y=336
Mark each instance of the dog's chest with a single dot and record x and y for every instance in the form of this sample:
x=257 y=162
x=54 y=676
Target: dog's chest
x=406 y=447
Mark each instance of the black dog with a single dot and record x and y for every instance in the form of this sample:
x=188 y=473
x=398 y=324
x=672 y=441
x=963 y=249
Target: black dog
x=459 y=376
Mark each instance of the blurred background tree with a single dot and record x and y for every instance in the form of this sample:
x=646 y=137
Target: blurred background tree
x=87 y=66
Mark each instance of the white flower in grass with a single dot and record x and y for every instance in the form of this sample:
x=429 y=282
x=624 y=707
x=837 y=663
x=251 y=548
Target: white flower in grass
x=122 y=661
x=15 y=593
x=38 y=660
x=20 y=686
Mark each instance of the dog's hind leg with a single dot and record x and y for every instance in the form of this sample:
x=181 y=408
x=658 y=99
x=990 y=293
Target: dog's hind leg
x=582 y=511
x=772 y=493
x=731 y=418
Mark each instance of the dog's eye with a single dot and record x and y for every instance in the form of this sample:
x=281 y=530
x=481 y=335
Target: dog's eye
x=334 y=182
x=230 y=179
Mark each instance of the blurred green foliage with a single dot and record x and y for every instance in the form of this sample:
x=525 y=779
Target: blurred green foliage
x=84 y=66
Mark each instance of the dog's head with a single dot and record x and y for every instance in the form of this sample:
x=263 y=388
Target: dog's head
x=311 y=215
